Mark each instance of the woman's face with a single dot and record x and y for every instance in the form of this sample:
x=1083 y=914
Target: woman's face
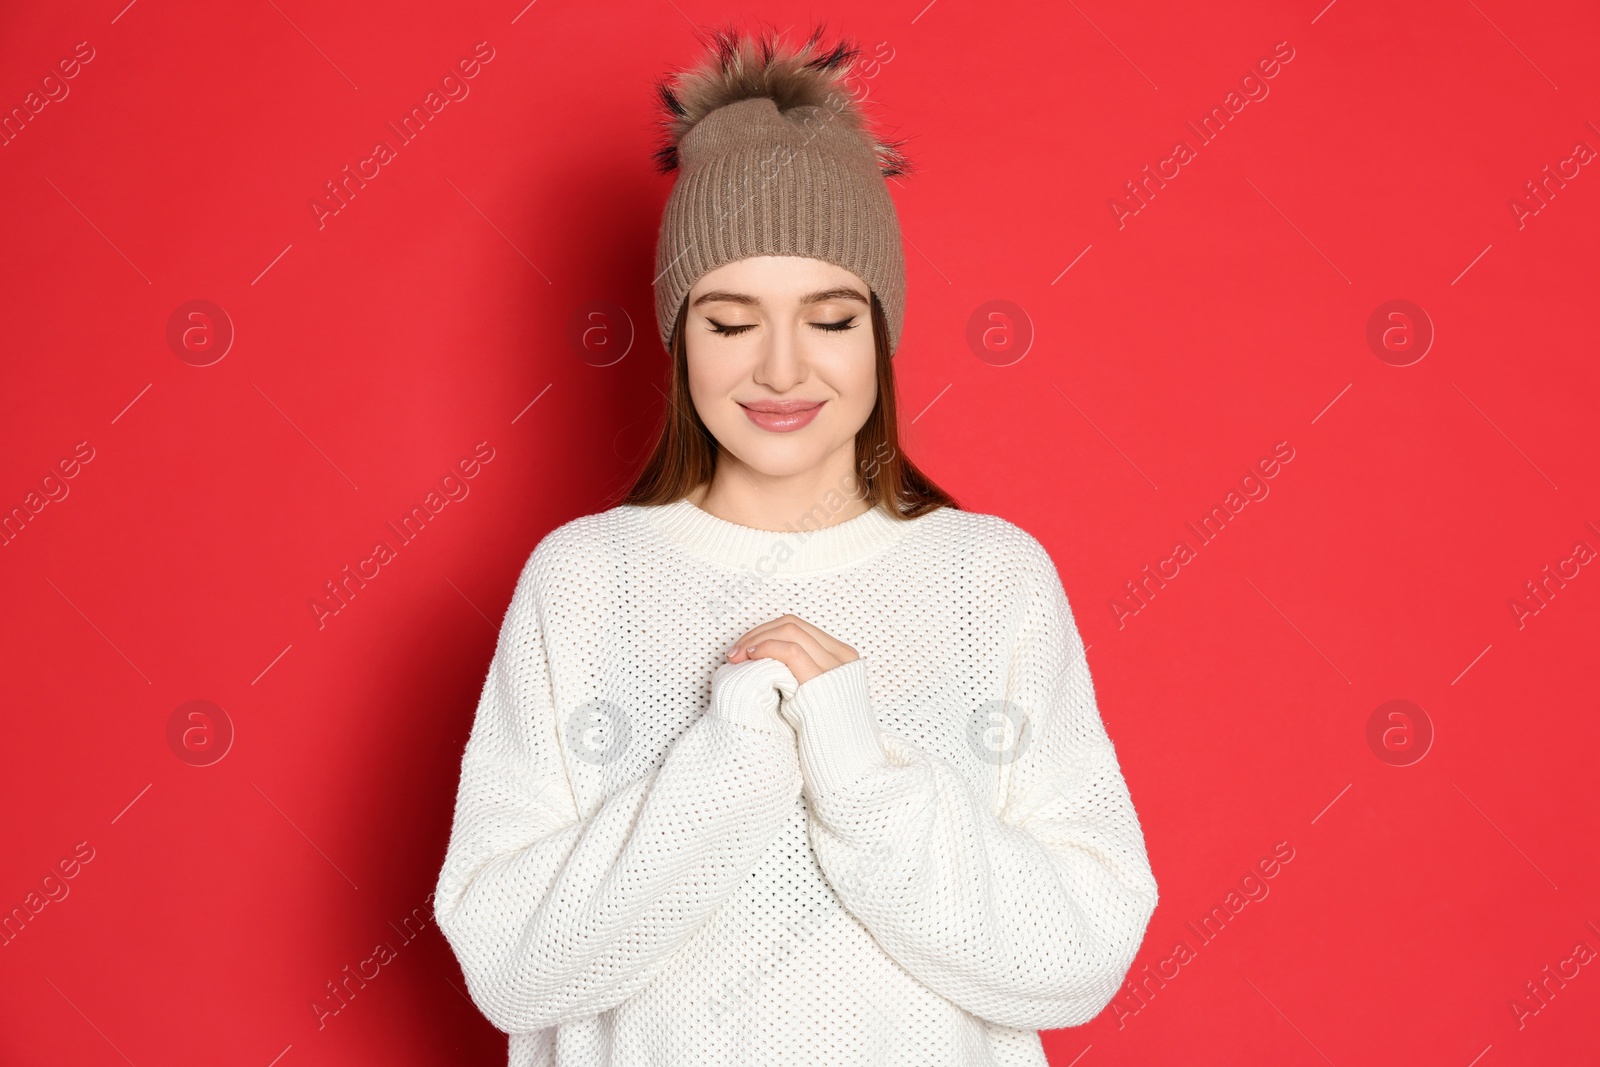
x=769 y=334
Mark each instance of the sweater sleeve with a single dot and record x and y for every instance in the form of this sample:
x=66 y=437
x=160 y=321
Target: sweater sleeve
x=1025 y=910
x=556 y=916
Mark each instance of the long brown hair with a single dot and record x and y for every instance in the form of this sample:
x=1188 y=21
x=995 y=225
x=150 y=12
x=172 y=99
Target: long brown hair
x=685 y=454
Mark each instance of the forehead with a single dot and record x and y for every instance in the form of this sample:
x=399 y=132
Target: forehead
x=777 y=278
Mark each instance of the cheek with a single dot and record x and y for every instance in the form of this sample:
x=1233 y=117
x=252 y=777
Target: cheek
x=857 y=384
x=711 y=380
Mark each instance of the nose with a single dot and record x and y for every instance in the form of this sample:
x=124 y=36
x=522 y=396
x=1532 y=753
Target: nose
x=780 y=365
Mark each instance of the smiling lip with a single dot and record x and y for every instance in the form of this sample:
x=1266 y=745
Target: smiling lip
x=782 y=416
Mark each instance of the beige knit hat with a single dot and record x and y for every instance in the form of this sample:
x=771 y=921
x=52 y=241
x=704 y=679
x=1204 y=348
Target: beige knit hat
x=774 y=157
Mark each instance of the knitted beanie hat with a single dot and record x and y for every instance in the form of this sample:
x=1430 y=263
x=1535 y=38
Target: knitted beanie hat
x=774 y=157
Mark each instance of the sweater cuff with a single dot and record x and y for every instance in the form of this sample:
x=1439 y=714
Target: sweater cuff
x=838 y=733
x=746 y=694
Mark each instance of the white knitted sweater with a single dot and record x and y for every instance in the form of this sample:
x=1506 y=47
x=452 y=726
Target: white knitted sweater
x=920 y=857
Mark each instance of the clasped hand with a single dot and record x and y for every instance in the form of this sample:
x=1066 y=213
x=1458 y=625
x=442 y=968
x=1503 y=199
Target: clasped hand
x=795 y=643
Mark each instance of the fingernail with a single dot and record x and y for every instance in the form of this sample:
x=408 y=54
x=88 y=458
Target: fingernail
x=732 y=650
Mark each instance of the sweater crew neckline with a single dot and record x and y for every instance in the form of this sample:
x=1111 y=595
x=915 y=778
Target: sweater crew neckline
x=800 y=549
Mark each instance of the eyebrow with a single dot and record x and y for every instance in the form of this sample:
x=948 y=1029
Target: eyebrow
x=838 y=292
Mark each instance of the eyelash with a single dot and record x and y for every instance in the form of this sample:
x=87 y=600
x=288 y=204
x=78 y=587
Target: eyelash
x=830 y=327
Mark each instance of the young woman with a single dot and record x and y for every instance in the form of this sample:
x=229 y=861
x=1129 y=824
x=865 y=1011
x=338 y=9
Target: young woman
x=786 y=759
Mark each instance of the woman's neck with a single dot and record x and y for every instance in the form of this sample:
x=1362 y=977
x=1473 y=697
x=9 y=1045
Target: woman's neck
x=825 y=495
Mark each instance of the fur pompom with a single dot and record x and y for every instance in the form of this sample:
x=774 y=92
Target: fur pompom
x=740 y=67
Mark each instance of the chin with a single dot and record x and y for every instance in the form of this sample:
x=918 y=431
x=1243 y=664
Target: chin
x=779 y=460
x=778 y=455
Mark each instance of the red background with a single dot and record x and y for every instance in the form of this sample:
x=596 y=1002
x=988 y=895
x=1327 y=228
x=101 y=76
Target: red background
x=375 y=347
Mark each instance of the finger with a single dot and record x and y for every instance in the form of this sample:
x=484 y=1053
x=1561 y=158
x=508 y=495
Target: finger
x=790 y=654
x=789 y=631
x=826 y=642
x=749 y=636
x=841 y=652
x=836 y=648
x=767 y=630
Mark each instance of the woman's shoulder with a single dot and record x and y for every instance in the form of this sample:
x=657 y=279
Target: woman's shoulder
x=980 y=535
x=586 y=533
x=574 y=549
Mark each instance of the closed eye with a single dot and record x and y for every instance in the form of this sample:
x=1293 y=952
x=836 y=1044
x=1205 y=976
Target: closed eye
x=734 y=331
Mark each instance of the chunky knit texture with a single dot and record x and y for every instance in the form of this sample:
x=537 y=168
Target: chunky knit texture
x=920 y=857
